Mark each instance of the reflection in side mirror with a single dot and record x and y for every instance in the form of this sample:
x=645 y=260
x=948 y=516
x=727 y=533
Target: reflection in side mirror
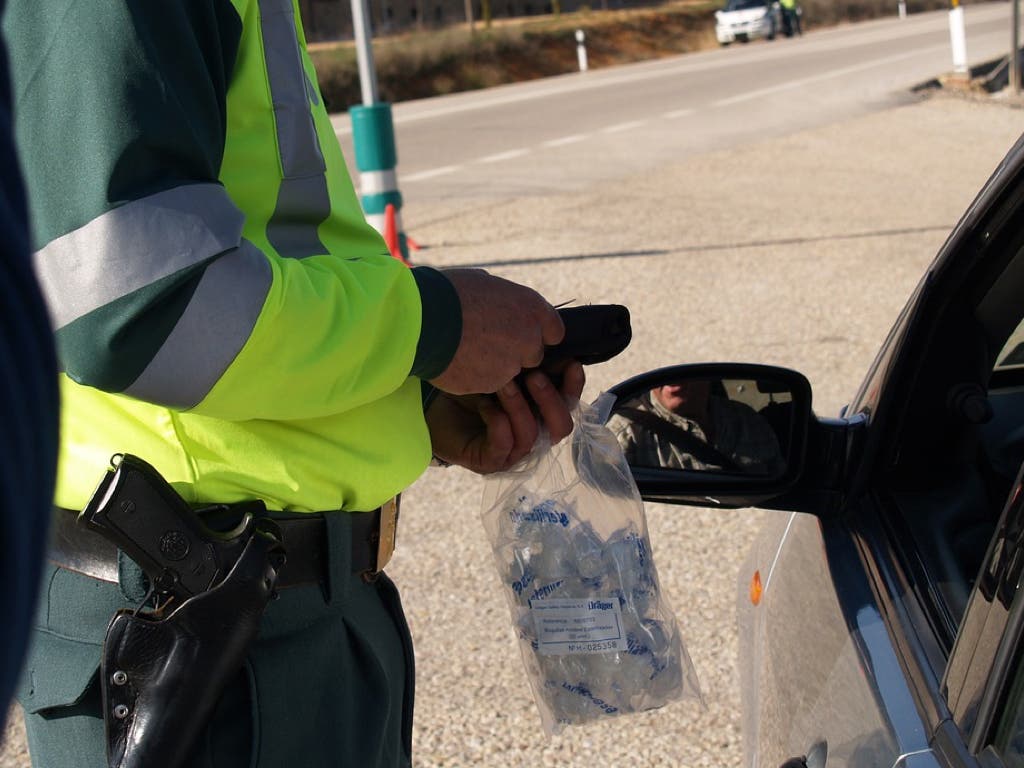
x=737 y=426
x=728 y=434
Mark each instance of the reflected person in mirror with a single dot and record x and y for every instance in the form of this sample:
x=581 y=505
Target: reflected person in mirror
x=689 y=425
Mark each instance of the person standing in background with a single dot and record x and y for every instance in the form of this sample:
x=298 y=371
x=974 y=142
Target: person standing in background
x=791 y=18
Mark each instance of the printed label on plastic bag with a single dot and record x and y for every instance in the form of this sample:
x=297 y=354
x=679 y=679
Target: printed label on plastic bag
x=578 y=626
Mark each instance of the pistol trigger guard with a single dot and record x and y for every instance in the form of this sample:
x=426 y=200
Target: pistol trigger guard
x=242 y=530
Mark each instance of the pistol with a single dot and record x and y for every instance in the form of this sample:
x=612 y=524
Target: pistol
x=137 y=509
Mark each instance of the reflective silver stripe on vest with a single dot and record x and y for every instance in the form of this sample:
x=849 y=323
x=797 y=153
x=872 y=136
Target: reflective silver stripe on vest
x=210 y=333
x=302 y=201
x=134 y=245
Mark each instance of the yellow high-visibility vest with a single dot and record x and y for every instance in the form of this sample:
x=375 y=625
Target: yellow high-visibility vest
x=284 y=372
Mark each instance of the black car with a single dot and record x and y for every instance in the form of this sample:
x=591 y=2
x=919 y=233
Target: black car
x=881 y=611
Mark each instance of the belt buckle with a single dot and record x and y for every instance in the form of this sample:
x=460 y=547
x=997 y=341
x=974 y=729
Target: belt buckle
x=388 y=529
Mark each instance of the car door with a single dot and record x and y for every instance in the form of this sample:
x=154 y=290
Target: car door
x=933 y=450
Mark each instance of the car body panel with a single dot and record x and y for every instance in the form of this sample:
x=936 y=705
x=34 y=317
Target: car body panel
x=842 y=653
x=747 y=23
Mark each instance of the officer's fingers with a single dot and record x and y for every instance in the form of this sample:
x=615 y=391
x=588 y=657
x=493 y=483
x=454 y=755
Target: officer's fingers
x=552 y=331
x=551 y=326
x=573 y=380
x=498 y=440
x=521 y=419
x=533 y=355
x=554 y=412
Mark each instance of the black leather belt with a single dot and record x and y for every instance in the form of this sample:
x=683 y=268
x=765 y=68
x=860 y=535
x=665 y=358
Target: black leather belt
x=77 y=548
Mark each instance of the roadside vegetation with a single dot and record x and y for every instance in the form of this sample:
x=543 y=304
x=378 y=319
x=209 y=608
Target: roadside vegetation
x=433 y=62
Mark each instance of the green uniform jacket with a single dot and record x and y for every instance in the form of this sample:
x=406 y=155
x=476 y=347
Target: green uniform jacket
x=223 y=309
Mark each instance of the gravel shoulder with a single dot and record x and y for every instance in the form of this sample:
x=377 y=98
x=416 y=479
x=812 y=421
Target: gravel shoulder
x=796 y=251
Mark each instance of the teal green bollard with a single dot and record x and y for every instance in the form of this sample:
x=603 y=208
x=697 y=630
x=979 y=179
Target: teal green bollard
x=373 y=135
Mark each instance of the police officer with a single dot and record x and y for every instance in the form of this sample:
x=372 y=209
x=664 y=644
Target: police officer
x=28 y=411
x=790 y=17
x=224 y=312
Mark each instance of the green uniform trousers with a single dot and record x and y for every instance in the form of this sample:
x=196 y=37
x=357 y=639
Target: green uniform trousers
x=329 y=681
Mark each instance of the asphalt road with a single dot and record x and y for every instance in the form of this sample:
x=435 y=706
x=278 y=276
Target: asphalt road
x=571 y=132
x=796 y=248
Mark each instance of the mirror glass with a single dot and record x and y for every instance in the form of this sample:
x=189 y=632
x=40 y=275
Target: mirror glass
x=720 y=425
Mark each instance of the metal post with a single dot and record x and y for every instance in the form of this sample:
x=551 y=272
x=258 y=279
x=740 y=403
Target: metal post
x=373 y=136
x=902 y=8
x=581 y=50
x=1015 y=50
x=364 y=51
x=958 y=38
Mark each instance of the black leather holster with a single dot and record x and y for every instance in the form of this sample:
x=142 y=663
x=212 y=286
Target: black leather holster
x=163 y=675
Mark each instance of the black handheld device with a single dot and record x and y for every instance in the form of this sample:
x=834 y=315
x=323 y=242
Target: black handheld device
x=594 y=333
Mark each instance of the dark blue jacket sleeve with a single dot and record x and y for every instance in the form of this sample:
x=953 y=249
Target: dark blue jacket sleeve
x=28 y=412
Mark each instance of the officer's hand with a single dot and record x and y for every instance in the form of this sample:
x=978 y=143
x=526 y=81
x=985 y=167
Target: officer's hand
x=491 y=433
x=505 y=327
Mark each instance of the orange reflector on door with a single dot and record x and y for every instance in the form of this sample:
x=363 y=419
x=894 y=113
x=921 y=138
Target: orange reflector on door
x=755 y=588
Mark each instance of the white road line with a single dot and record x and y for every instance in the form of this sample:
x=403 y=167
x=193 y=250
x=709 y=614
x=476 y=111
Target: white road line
x=571 y=139
x=624 y=126
x=509 y=155
x=826 y=75
x=519 y=92
x=678 y=113
x=444 y=171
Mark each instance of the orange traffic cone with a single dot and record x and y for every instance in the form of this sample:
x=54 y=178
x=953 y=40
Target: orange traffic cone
x=391 y=233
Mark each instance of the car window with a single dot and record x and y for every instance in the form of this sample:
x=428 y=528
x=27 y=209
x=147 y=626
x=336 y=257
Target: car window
x=740 y=5
x=1003 y=578
x=1012 y=354
x=985 y=676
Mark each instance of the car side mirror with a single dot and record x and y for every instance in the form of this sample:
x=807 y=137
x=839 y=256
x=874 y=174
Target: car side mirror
x=713 y=434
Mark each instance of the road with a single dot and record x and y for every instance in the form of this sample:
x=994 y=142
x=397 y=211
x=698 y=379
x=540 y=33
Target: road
x=570 y=132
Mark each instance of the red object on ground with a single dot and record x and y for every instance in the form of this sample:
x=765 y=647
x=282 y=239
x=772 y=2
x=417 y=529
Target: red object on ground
x=391 y=232
x=399 y=244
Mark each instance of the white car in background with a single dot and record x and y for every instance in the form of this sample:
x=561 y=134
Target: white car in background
x=747 y=19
